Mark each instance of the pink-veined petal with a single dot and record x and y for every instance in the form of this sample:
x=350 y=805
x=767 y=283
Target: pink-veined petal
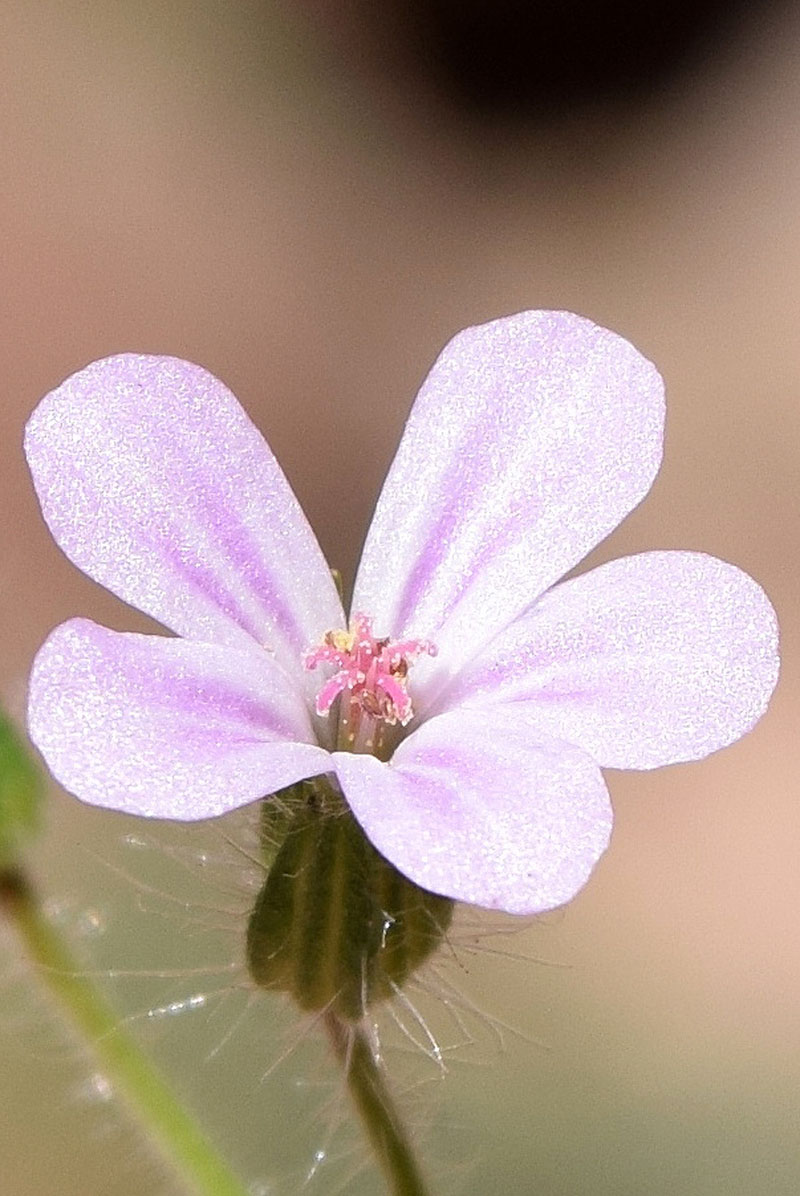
x=648 y=660
x=155 y=482
x=166 y=728
x=476 y=806
x=531 y=439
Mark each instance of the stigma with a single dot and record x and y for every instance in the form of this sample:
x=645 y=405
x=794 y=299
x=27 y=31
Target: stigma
x=371 y=671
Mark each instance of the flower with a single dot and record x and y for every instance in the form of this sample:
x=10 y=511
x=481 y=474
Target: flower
x=478 y=695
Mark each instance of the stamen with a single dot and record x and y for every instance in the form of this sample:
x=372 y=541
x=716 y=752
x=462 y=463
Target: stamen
x=373 y=671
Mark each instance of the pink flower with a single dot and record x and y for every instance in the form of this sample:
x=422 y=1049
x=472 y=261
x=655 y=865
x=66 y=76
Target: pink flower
x=468 y=710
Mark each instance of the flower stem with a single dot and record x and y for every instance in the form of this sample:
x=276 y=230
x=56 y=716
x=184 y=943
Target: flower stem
x=375 y=1106
x=177 y=1135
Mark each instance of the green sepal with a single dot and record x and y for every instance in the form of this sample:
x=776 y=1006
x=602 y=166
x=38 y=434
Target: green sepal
x=20 y=794
x=335 y=925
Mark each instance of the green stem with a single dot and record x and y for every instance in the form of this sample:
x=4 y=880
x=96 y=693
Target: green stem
x=375 y=1106
x=179 y=1138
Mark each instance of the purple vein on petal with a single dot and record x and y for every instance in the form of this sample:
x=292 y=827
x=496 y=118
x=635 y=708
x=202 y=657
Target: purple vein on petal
x=193 y=574
x=178 y=691
x=236 y=540
x=429 y=560
x=243 y=554
x=433 y=557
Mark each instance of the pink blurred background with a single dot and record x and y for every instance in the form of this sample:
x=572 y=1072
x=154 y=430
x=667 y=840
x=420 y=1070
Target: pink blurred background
x=259 y=189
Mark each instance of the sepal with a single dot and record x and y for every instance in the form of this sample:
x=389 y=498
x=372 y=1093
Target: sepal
x=335 y=925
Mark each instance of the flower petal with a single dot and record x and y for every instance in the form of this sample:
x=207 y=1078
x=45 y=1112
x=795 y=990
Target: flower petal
x=648 y=660
x=154 y=481
x=478 y=807
x=166 y=728
x=532 y=437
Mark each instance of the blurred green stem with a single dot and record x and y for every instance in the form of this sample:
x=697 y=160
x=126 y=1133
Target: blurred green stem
x=179 y=1138
x=387 y=1134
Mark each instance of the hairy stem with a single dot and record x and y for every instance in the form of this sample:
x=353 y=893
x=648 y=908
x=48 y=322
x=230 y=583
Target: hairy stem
x=372 y=1099
x=177 y=1135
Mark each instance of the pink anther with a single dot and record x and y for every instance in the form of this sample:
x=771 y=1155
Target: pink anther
x=375 y=671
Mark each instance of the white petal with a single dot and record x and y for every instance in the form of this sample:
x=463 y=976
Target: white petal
x=154 y=481
x=166 y=728
x=648 y=660
x=532 y=437
x=475 y=806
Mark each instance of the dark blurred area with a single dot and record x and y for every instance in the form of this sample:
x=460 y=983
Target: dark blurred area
x=520 y=58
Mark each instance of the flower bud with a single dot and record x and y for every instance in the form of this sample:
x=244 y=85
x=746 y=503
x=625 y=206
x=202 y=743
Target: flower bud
x=335 y=925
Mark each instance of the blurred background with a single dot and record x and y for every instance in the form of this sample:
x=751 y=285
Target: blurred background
x=309 y=199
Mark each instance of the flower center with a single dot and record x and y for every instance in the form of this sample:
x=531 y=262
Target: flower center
x=373 y=672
